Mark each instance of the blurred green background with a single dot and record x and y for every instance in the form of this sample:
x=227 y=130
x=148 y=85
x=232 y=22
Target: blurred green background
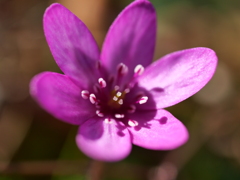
x=36 y=146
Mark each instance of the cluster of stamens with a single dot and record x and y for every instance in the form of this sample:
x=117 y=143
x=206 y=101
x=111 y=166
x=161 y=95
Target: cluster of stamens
x=109 y=96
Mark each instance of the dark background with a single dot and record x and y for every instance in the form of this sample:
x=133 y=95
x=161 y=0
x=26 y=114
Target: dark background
x=36 y=146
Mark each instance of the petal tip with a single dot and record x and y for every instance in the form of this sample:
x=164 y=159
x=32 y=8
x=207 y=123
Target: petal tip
x=163 y=132
x=33 y=83
x=143 y=3
x=101 y=141
x=180 y=142
x=205 y=50
x=53 y=5
x=50 y=8
x=106 y=157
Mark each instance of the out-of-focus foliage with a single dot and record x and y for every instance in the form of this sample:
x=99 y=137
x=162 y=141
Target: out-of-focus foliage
x=34 y=145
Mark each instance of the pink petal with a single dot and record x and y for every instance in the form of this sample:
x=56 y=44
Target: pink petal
x=131 y=37
x=178 y=75
x=72 y=45
x=104 y=141
x=163 y=132
x=58 y=95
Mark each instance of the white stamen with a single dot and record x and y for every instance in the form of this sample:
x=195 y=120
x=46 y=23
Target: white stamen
x=85 y=94
x=127 y=90
x=102 y=82
x=131 y=109
x=107 y=120
x=99 y=113
x=139 y=69
x=118 y=94
x=120 y=101
x=116 y=88
x=119 y=115
x=143 y=100
x=132 y=123
x=122 y=69
x=115 y=98
x=92 y=98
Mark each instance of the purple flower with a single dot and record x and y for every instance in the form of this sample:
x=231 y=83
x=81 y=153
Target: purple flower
x=117 y=96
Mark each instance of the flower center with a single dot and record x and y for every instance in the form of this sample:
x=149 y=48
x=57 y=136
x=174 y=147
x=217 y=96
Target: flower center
x=113 y=99
x=116 y=98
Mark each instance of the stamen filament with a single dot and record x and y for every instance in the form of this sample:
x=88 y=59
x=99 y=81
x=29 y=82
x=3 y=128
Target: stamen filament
x=131 y=109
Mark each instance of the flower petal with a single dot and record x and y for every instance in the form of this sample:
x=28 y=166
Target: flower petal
x=104 y=141
x=164 y=132
x=58 y=95
x=72 y=45
x=178 y=75
x=131 y=37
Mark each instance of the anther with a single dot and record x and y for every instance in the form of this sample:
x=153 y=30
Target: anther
x=116 y=88
x=122 y=69
x=107 y=120
x=118 y=94
x=131 y=109
x=119 y=115
x=127 y=90
x=85 y=94
x=102 y=82
x=120 y=101
x=139 y=69
x=92 y=98
x=99 y=113
x=143 y=100
x=115 y=98
x=132 y=123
